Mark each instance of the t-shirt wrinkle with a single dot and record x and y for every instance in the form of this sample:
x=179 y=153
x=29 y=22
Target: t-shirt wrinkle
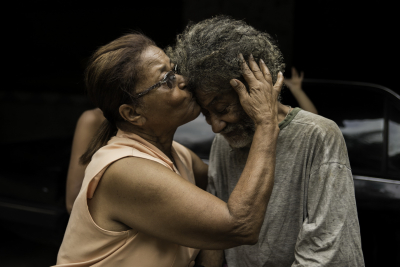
x=311 y=215
x=327 y=163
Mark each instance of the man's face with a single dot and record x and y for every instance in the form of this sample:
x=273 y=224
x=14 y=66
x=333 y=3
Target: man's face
x=227 y=117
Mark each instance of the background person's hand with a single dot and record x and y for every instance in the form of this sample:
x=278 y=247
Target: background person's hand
x=261 y=102
x=295 y=82
x=295 y=86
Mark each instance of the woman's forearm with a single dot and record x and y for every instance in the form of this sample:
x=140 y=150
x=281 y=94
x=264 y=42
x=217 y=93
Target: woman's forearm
x=249 y=200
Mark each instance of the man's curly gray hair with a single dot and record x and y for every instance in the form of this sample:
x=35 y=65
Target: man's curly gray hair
x=207 y=52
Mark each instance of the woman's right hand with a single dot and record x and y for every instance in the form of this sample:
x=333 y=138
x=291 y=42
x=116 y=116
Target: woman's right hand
x=261 y=102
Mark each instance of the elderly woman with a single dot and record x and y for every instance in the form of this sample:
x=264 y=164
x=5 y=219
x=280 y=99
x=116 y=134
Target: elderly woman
x=139 y=204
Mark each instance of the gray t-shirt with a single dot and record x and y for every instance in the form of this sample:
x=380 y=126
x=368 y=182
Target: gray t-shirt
x=311 y=219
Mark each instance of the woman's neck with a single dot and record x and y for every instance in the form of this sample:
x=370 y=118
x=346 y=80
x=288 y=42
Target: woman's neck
x=161 y=140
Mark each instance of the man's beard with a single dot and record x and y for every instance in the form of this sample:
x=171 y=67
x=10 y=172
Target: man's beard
x=240 y=134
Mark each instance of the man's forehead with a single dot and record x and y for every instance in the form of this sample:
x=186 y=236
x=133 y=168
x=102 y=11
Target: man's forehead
x=209 y=98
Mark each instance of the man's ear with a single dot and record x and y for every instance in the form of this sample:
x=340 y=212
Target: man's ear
x=132 y=115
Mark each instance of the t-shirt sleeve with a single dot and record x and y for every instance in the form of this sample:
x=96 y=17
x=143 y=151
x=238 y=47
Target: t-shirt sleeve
x=330 y=234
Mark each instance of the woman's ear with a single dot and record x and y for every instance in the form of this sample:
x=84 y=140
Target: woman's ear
x=132 y=115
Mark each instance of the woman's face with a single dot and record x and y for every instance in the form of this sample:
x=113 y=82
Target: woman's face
x=164 y=107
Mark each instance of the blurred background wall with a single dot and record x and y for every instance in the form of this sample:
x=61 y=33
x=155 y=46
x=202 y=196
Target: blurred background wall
x=48 y=42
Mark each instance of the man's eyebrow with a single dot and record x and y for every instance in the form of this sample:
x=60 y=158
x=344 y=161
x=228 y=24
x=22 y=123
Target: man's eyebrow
x=215 y=99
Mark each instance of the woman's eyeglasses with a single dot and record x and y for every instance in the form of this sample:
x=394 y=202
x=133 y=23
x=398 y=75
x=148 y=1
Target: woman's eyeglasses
x=169 y=79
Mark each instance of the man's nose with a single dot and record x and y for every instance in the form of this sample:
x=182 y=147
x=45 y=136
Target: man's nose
x=216 y=123
x=181 y=81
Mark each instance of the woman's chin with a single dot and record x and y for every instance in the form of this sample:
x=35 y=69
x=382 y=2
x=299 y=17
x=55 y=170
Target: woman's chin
x=197 y=109
x=192 y=113
x=195 y=113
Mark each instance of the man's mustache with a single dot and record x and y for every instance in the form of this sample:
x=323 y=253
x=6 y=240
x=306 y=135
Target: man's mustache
x=229 y=128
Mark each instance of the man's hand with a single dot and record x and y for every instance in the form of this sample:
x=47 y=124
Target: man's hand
x=261 y=102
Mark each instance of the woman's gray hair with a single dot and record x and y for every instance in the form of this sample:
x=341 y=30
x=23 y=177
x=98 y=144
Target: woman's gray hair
x=207 y=52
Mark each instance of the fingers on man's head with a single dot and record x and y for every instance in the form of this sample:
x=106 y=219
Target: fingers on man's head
x=265 y=71
x=246 y=72
x=239 y=87
x=255 y=69
x=279 y=82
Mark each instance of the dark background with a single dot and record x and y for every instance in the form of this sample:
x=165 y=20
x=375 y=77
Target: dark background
x=49 y=42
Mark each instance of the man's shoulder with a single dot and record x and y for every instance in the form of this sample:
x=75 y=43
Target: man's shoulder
x=313 y=123
x=323 y=135
x=314 y=120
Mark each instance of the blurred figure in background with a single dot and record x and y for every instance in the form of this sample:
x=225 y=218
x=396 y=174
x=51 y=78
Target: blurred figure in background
x=294 y=85
x=87 y=126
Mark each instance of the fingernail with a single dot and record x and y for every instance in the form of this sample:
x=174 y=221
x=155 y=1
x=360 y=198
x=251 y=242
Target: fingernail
x=262 y=61
x=241 y=56
x=251 y=57
x=233 y=83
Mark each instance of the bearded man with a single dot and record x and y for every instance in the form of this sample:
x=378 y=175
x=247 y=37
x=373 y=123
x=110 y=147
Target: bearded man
x=311 y=219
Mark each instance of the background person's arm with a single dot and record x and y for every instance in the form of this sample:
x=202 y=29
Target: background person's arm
x=86 y=127
x=294 y=85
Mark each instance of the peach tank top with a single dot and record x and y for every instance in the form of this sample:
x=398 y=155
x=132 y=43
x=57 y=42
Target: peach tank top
x=87 y=244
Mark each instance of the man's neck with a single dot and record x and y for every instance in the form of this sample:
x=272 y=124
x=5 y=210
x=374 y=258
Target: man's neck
x=282 y=112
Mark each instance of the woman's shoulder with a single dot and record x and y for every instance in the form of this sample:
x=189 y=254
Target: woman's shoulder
x=183 y=152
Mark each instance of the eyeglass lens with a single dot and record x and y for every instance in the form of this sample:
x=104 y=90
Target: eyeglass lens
x=171 y=80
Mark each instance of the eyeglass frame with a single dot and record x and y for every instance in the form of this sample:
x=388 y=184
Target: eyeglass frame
x=164 y=80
